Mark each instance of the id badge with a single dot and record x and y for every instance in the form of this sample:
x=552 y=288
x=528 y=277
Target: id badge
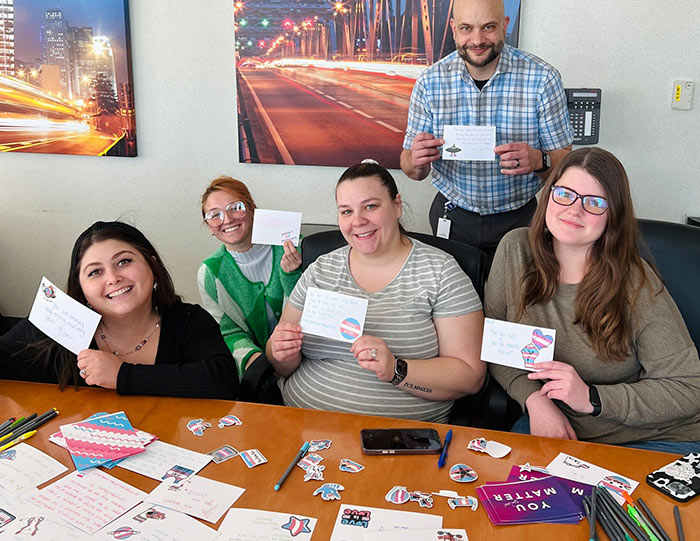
x=443 y=227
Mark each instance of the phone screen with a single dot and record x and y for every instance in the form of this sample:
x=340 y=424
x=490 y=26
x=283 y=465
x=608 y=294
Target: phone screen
x=400 y=440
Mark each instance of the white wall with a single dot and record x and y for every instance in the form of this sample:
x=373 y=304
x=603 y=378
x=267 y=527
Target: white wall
x=185 y=109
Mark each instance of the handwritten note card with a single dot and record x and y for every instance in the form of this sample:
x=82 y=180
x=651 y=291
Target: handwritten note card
x=469 y=143
x=353 y=521
x=333 y=315
x=197 y=496
x=62 y=318
x=153 y=522
x=276 y=226
x=160 y=457
x=20 y=519
x=87 y=500
x=516 y=345
x=23 y=467
x=258 y=525
x=575 y=469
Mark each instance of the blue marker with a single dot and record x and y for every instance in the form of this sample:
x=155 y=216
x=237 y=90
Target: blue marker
x=296 y=459
x=445 y=446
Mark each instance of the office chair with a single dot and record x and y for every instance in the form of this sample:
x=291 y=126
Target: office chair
x=675 y=249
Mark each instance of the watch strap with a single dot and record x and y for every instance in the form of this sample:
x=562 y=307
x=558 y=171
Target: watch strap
x=546 y=162
x=594 y=398
x=400 y=371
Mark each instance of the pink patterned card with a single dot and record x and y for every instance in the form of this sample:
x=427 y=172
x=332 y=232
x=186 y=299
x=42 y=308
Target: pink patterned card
x=99 y=440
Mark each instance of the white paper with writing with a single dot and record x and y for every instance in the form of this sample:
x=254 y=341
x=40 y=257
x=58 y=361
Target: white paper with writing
x=258 y=525
x=347 y=529
x=275 y=227
x=62 y=318
x=87 y=500
x=570 y=467
x=147 y=522
x=469 y=143
x=159 y=457
x=515 y=344
x=197 y=496
x=20 y=519
x=22 y=468
x=333 y=315
x=441 y=534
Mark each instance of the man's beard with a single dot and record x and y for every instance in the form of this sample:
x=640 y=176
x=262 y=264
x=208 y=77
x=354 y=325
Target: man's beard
x=494 y=50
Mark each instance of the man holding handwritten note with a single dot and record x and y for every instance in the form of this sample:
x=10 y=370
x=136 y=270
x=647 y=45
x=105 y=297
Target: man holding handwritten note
x=486 y=187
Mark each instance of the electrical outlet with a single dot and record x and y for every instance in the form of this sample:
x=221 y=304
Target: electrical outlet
x=682 y=94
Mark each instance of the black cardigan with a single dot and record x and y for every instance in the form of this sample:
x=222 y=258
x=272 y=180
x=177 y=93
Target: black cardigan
x=192 y=360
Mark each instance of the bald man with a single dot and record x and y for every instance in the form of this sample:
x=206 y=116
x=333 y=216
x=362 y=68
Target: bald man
x=486 y=83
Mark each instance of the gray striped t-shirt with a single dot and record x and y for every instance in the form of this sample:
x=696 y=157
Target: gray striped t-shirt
x=429 y=285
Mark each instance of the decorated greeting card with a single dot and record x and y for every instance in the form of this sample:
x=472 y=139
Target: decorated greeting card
x=333 y=315
x=515 y=344
x=353 y=521
x=258 y=525
x=22 y=468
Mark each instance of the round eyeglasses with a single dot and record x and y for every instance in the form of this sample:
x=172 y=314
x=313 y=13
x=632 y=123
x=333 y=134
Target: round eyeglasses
x=592 y=204
x=216 y=217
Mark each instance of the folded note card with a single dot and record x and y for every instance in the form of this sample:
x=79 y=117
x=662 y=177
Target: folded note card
x=98 y=440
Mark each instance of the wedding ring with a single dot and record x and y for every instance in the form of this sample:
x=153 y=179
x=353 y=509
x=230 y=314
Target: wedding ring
x=373 y=352
x=517 y=163
x=83 y=373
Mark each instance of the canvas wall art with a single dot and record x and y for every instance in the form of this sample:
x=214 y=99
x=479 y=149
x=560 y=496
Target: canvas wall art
x=65 y=78
x=329 y=83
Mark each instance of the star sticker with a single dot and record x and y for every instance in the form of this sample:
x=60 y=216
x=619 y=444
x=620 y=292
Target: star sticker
x=297 y=526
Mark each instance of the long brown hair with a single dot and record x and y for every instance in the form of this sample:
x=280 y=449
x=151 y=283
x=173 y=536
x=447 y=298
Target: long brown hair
x=614 y=273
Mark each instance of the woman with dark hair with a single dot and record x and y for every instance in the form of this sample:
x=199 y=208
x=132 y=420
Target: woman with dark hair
x=148 y=341
x=420 y=347
x=243 y=285
x=626 y=370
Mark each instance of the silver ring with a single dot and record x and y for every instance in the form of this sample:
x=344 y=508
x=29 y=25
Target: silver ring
x=83 y=372
x=517 y=163
x=373 y=352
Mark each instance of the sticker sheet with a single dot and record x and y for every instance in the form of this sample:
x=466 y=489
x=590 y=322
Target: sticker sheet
x=159 y=459
x=87 y=500
x=147 y=522
x=197 y=496
x=516 y=345
x=258 y=525
x=22 y=468
x=353 y=521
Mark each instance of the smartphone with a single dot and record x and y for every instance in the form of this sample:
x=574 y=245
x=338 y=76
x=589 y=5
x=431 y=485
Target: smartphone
x=400 y=441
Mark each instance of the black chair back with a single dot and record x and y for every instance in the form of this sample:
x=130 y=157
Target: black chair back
x=470 y=259
x=675 y=249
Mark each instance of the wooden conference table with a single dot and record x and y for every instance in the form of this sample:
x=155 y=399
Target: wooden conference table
x=278 y=432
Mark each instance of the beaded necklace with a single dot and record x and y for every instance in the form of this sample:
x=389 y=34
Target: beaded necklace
x=137 y=348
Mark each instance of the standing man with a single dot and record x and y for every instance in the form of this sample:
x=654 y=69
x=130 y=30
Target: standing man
x=486 y=83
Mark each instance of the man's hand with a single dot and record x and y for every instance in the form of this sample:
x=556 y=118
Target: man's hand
x=518 y=158
x=424 y=151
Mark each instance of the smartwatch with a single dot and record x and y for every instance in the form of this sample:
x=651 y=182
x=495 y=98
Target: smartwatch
x=546 y=162
x=594 y=398
x=400 y=371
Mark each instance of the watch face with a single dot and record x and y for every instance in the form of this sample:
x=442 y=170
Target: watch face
x=401 y=367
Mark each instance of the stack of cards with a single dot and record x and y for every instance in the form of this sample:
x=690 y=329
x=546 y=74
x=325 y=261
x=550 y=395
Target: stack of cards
x=526 y=502
x=102 y=439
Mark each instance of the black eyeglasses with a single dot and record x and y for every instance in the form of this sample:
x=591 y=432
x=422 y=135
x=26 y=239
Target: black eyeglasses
x=234 y=210
x=592 y=204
